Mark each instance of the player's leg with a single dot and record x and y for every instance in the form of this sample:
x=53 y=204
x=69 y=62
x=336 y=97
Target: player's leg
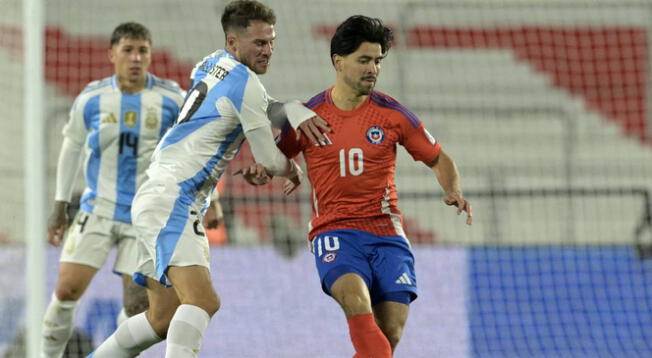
x=134 y=299
x=58 y=320
x=141 y=331
x=199 y=302
x=346 y=275
x=134 y=296
x=391 y=318
x=86 y=246
x=395 y=285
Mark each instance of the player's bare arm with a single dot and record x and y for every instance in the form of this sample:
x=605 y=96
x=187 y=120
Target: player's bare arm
x=58 y=223
x=255 y=174
x=449 y=178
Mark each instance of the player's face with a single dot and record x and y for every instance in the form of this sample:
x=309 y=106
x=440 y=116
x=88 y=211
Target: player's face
x=254 y=46
x=361 y=68
x=131 y=59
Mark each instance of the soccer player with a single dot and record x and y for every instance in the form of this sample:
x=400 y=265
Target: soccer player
x=226 y=105
x=362 y=254
x=114 y=124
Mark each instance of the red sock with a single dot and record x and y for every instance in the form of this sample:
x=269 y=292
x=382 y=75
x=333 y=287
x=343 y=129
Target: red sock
x=368 y=340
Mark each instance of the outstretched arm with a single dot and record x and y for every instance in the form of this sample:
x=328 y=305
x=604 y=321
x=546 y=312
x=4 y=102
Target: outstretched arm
x=449 y=178
x=301 y=118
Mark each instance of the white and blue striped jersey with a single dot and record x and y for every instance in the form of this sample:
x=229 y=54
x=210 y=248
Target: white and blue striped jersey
x=227 y=99
x=119 y=133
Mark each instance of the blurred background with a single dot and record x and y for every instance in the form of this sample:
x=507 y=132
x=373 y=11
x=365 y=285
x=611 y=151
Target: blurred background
x=544 y=105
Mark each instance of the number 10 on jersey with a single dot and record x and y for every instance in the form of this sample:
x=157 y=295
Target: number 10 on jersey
x=354 y=160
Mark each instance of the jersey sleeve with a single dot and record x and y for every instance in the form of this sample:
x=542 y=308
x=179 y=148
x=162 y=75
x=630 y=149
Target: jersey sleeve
x=253 y=113
x=75 y=129
x=416 y=139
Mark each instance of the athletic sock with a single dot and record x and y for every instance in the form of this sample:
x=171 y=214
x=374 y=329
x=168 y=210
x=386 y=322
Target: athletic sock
x=57 y=327
x=122 y=316
x=368 y=340
x=132 y=337
x=186 y=332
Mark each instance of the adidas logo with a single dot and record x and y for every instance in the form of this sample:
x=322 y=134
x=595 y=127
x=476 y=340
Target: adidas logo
x=404 y=280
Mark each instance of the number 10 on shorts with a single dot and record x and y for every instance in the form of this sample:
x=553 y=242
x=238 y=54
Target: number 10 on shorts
x=325 y=243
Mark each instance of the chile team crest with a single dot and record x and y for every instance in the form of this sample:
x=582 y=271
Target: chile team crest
x=375 y=135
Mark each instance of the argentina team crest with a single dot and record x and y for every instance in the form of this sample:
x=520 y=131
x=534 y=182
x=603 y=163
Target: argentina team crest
x=375 y=135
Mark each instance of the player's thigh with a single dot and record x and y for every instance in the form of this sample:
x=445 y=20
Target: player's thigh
x=351 y=292
x=338 y=253
x=393 y=271
x=73 y=280
x=86 y=246
x=193 y=286
x=88 y=240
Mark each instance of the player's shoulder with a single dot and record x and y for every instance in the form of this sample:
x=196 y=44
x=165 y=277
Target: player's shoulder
x=93 y=89
x=317 y=100
x=97 y=86
x=222 y=66
x=393 y=107
x=167 y=86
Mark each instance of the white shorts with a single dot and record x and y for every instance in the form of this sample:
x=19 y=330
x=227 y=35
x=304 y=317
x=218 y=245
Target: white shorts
x=90 y=238
x=170 y=233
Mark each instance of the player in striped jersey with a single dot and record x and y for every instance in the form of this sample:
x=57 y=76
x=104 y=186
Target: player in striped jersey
x=362 y=254
x=114 y=124
x=226 y=105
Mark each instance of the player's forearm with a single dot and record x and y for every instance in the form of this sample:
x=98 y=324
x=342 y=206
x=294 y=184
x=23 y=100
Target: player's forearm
x=67 y=169
x=266 y=153
x=447 y=174
x=292 y=111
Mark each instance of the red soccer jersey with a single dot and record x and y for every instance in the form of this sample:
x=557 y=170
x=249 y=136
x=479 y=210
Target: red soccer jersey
x=353 y=178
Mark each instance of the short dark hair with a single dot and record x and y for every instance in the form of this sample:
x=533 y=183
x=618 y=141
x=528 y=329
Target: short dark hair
x=238 y=14
x=358 y=29
x=130 y=30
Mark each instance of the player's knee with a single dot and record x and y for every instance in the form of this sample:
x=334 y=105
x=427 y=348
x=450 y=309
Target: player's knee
x=211 y=303
x=354 y=303
x=68 y=292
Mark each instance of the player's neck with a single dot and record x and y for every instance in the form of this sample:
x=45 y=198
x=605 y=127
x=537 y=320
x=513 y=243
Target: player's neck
x=131 y=87
x=347 y=99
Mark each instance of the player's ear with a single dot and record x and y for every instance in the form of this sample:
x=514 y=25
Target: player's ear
x=231 y=42
x=110 y=55
x=337 y=62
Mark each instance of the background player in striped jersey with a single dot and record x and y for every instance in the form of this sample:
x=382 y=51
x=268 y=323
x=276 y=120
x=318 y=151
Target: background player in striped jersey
x=114 y=124
x=226 y=105
x=362 y=254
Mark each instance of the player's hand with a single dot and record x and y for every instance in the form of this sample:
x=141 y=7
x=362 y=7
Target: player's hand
x=213 y=216
x=294 y=180
x=456 y=199
x=254 y=174
x=58 y=223
x=315 y=128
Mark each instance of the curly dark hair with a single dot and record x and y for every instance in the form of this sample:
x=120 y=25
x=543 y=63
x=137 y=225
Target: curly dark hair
x=358 y=29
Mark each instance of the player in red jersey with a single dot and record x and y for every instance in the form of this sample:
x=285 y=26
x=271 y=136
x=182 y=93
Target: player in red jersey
x=362 y=254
